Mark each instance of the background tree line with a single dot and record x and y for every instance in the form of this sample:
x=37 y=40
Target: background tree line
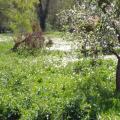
x=15 y=14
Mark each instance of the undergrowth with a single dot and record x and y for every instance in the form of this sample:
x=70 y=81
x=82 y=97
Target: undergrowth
x=32 y=88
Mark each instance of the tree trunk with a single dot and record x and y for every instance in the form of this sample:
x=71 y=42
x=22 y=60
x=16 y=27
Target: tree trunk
x=42 y=13
x=118 y=76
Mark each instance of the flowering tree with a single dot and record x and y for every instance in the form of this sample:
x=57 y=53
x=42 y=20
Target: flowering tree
x=95 y=24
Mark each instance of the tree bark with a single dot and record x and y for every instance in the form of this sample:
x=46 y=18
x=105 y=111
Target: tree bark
x=117 y=70
x=118 y=76
x=42 y=13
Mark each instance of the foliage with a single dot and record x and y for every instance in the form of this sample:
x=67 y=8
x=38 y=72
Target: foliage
x=36 y=87
x=20 y=13
x=55 y=8
x=32 y=87
x=93 y=27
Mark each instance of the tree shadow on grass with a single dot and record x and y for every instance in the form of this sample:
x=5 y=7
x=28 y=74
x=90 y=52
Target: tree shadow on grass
x=90 y=103
x=101 y=99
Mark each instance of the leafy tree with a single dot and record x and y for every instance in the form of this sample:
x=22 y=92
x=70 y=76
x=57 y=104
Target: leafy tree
x=3 y=17
x=96 y=26
x=24 y=22
x=21 y=14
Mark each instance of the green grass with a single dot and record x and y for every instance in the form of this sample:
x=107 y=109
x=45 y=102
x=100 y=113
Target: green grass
x=33 y=87
x=54 y=34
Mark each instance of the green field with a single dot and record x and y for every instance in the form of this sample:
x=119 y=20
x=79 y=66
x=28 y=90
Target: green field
x=34 y=86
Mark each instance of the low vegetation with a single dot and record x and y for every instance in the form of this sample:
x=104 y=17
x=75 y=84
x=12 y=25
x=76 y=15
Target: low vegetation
x=38 y=82
x=33 y=88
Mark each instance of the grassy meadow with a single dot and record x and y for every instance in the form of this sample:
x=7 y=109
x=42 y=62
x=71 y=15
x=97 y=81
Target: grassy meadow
x=36 y=86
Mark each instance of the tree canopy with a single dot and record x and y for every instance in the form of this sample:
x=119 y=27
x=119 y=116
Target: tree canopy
x=20 y=14
x=96 y=25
